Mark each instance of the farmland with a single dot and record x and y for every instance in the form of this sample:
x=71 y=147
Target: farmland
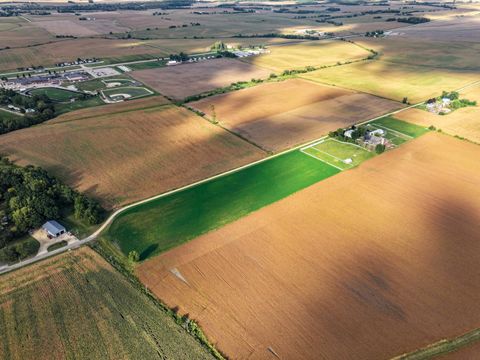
x=459 y=55
x=77 y=306
x=112 y=50
x=130 y=155
x=184 y=80
x=339 y=256
x=174 y=219
x=138 y=104
x=279 y=115
x=462 y=122
x=16 y=31
x=393 y=81
x=314 y=53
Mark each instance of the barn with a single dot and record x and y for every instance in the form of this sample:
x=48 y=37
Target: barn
x=53 y=228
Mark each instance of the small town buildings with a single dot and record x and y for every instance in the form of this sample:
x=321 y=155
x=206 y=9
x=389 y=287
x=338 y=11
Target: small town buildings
x=53 y=228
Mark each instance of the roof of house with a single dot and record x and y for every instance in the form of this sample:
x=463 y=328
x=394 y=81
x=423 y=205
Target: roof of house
x=53 y=227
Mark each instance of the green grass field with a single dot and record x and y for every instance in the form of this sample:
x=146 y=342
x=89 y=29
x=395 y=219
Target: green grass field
x=7 y=115
x=76 y=306
x=390 y=123
x=164 y=223
x=133 y=91
x=147 y=65
x=58 y=95
x=335 y=153
x=91 y=85
x=79 y=104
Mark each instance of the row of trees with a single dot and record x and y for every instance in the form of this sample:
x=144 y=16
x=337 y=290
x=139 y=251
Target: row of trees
x=29 y=197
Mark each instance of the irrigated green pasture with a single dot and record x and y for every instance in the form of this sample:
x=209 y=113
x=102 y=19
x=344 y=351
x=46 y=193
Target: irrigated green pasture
x=76 y=306
x=171 y=220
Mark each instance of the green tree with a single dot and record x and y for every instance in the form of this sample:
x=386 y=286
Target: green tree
x=380 y=148
x=133 y=256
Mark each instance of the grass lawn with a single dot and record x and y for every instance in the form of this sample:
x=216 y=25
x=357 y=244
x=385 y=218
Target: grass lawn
x=57 y=246
x=7 y=115
x=91 y=85
x=335 y=153
x=147 y=65
x=134 y=92
x=79 y=104
x=390 y=123
x=169 y=221
x=58 y=95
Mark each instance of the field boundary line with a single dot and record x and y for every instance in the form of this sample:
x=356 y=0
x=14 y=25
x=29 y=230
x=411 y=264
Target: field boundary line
x=326 y=162
x=326 y=153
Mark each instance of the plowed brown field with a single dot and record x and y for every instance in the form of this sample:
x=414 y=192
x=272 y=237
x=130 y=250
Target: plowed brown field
x=282 y=114
x=369 y=264
x=129 y=156
x=184 y=80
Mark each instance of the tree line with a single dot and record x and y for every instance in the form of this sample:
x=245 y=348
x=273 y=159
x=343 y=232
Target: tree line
x=29 y=196
x=42 y=106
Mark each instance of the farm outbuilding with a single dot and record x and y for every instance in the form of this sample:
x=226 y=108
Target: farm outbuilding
x=53 y=228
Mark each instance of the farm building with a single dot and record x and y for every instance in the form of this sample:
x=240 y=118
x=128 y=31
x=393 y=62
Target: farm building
x=53 y=228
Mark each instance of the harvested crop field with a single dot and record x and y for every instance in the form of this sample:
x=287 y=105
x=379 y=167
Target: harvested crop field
x=68 y=50
x=111 y=109
x=62 y=27
x=457 y=55
x=394 y=81
x=314 y=53
x=374 y=262
x=77 y=306
x=461 y=122
x=185 y=80
x=16 y=31
x=128 y=156
x=280 y=115
x=460 y=29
